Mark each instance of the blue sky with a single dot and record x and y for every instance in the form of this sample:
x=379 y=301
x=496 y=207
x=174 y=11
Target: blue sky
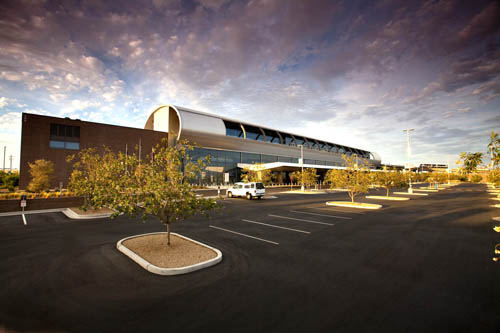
x=350 y=72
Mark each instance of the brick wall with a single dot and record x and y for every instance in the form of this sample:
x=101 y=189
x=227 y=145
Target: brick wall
x=35 y=139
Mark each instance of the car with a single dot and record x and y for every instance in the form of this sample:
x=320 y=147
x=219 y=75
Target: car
x=248 y=190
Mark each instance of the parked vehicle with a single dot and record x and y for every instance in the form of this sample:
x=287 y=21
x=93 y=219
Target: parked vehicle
x=248 y=190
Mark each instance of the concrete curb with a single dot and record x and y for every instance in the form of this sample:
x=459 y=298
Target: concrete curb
x=425 y=190
x=496 y=206
x=72 y=215
x=348 y=205
x=496 y=218
x=380 y=197
x=168 y=271
x=406 y=193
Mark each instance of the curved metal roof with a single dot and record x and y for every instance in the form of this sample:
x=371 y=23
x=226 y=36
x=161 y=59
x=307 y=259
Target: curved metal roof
x=208 y=123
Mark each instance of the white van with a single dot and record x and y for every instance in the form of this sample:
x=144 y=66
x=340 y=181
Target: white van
x=249 y=190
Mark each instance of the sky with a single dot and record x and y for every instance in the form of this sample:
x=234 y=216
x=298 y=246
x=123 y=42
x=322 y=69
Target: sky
x=351 y=72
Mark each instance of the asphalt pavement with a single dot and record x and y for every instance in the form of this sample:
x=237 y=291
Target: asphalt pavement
x=290 y=264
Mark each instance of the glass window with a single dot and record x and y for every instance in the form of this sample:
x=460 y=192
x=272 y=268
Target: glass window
x=285 y=159
x=72 y=145
x=250 y=158
x=288 y=139
x=260 y=186
x=299 y=140
x=313 y=144
x=76 y=131
x=56 y=144
x=53 y=129
x=252 y=185
x=253 y=133
x=309 y=161
x=272 y=136
x=269 y=158
x=247 y=186
x=233 y=129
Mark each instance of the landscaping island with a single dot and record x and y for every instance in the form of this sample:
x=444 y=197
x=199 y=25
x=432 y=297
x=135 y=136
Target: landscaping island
x=184 y=255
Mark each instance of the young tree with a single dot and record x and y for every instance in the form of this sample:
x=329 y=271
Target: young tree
x=41 y=173
x=494 y=177
x=256 y=173
x=389 y=179
x=494 y=149
x=355 y=178
x=469 y=161
x=158 y=185
x=308 y=177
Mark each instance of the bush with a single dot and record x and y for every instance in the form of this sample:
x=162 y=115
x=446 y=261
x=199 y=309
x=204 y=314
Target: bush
x=476 y=178
x=41 y=173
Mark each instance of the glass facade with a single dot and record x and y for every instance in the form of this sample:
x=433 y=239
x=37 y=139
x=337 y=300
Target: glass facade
x=256 y=133
x=226 y=161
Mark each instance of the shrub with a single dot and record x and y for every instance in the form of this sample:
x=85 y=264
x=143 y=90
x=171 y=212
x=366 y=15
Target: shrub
x=41 y=173
x=476 y=178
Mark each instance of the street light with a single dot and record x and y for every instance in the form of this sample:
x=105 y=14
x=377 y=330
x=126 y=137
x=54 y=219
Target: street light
x=408 y=149
x=302 y=167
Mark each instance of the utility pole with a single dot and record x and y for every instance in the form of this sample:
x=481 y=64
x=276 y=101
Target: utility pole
x=4 y=152
x=10 y=158
x=408 y=149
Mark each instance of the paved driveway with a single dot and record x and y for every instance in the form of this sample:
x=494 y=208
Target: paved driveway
x=290 y=264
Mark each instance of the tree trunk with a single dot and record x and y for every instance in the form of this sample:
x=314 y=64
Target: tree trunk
x=387 y=189
x=168 y=234
x=352 y=197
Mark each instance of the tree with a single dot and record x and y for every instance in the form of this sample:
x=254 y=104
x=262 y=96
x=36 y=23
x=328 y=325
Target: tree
x=494 y=149
x=257 y=173
x=469 y=161
x=308 y=177
x=159 y=185
x=494 y=177
x=355 y=178
x=41 y=174
x=389 y=179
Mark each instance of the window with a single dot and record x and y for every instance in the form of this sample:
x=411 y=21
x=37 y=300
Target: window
x=233 y=129
x=269 y=158
x=64 y=145
x=314 y=144
x=299 y=140
x=288 y=139
x=247 y=186
x=250 y=158
x=272 y=136
x=64 y=137
x=252 y=185
x=253 y=133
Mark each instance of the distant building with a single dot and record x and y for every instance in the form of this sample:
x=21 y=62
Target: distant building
x=432 y=167
x=232 y=144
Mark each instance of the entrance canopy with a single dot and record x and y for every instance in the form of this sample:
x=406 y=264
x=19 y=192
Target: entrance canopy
x=284 y=166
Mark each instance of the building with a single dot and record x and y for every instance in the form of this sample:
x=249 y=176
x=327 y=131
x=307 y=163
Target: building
x=232 y=144
x=55 y=139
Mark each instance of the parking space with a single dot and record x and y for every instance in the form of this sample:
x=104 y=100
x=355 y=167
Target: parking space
x=426 y=262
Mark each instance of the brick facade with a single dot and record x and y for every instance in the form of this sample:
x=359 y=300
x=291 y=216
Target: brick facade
x=36 y=136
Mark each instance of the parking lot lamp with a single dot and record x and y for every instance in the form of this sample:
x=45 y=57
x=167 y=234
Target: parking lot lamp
x=302 y=167
x=408 y=148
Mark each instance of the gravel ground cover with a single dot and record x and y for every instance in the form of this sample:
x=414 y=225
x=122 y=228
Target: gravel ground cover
x=181 y=252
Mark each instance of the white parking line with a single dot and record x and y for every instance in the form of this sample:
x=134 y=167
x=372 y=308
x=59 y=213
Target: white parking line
x=295 y=219
x=244 y=235
x=327 y=215
x=275 y=226
x=336 y=210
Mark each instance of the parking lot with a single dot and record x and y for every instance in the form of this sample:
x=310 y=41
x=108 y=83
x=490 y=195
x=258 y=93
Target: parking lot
x=289 y=264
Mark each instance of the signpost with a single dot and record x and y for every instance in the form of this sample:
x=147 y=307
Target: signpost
x=23 y=205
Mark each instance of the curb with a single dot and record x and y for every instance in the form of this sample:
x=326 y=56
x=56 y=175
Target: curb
x=379 y=197
x=168 y=271
x=72 y=215
x=340 y=204
x=406 y=193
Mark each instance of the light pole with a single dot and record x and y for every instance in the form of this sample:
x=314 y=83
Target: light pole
x=302 y=167
x=408 y=149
